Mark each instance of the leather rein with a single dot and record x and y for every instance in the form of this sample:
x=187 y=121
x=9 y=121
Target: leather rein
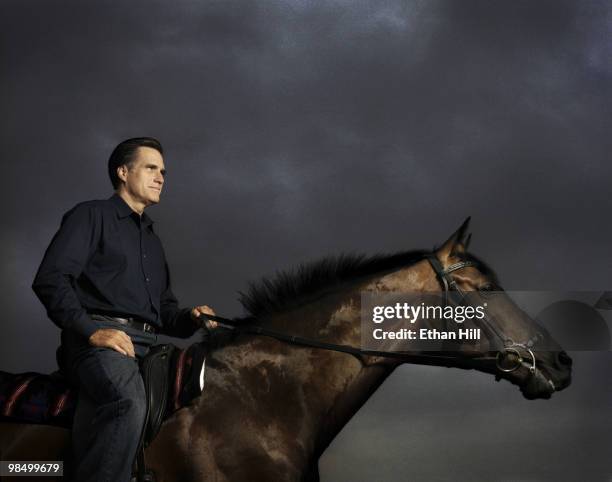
x=522 y=351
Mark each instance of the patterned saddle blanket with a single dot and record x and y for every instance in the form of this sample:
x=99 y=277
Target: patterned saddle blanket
x=173 y=378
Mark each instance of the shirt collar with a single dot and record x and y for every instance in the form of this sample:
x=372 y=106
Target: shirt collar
x=124 y=210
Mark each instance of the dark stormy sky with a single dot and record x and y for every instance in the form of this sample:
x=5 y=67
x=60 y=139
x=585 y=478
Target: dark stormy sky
x=296 y=129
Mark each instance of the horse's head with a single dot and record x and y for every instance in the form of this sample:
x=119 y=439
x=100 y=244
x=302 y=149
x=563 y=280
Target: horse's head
x=517 y=348
x=512 y=346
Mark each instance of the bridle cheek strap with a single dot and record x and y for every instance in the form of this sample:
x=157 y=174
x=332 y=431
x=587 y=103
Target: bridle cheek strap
x=449 y=285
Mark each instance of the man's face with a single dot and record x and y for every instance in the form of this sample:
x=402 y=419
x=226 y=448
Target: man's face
x=145 y=178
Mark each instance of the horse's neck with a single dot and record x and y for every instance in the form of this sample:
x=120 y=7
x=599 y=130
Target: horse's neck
x=343 y=326
x=306 y=395
x=347 y=402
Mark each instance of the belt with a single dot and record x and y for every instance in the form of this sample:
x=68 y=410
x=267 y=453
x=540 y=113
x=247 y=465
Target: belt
x=131 y=322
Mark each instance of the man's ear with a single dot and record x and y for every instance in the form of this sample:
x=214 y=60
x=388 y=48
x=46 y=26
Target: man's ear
x=122 y=172
x=456 y=243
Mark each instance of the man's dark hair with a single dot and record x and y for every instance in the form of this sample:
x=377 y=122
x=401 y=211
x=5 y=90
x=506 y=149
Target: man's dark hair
x=124 y=154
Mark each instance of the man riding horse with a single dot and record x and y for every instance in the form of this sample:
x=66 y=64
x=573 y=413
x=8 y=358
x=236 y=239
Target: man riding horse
x=104 y=281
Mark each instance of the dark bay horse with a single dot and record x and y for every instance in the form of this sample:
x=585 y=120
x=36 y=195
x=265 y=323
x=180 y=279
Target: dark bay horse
x=270 y=408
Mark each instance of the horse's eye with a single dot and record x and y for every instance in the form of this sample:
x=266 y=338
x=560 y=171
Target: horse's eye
x=487 y=287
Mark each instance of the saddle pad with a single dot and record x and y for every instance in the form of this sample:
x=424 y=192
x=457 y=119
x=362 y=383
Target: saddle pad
x=49 y=399
x=36 y=398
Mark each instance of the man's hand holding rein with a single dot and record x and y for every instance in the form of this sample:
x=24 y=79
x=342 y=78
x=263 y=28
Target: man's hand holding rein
x=199 y=314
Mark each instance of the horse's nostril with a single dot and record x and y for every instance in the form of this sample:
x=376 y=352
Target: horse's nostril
x=564 y=359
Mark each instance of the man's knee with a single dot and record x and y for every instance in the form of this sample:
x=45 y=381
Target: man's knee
x=132 y=409
x=131 y=397
x=109 y=377
x=125 y=401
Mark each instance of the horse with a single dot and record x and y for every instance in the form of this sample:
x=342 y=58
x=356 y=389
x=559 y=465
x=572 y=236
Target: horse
x=270 y=407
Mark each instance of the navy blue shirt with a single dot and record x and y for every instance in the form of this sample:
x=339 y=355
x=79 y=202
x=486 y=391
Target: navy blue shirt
x=107 y=259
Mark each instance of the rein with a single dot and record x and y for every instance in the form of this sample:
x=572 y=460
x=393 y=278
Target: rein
x=359 y=353
x=451 y=290
x=309 y=342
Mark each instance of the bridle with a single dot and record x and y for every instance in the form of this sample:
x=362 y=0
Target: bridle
x=523 y=352
x=453 y=292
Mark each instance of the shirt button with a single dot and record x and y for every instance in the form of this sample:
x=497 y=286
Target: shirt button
x=144 y=255
x=148 y=279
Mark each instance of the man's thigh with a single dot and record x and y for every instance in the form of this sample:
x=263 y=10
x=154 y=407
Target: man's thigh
x=107 y=375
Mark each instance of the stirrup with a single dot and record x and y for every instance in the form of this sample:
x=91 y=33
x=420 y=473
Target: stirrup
x=141 y=473
x=147 y=477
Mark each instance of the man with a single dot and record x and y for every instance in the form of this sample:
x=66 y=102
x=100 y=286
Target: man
x=104 y=281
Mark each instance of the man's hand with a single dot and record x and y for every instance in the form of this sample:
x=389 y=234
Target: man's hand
x=115 y=339
x=199 y=314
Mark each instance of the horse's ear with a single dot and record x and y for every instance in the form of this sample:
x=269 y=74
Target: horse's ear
x=468 y=241
x=456 y=243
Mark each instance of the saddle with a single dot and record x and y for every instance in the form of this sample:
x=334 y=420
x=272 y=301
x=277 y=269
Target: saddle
x=164 y=392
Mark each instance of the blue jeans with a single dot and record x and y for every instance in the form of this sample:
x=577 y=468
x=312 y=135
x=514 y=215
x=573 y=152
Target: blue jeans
x=111 y=406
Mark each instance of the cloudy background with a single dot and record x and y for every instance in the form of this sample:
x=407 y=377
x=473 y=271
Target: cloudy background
x=296 y=129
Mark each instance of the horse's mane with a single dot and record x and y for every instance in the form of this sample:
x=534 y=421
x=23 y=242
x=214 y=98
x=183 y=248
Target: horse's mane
x=289 y=289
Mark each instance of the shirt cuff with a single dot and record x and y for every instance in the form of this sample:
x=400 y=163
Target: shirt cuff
x=187 y=320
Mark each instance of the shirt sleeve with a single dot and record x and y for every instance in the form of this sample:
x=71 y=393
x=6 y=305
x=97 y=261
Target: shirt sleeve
x=64 y=261
x=176 y=322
